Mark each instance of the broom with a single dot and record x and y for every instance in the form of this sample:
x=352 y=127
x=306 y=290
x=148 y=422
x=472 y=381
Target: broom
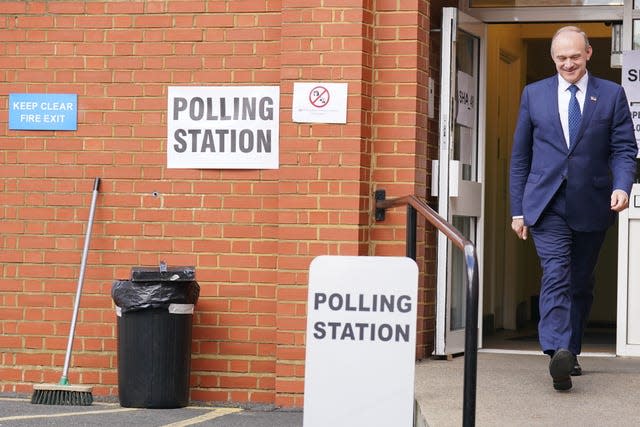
x=63 y=393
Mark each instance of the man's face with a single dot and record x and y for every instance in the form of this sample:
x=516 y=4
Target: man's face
x=570 y=55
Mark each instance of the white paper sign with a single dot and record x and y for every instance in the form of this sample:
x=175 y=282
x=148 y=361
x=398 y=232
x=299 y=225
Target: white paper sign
x=319 y=102
x=230 y=127
x=360 y=342
x=467 y=100
x=631 y=85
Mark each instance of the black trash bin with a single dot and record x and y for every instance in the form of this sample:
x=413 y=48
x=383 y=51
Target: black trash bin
x=155 y=318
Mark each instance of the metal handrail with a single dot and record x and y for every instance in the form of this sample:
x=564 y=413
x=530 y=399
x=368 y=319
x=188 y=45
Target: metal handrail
x=414 y=204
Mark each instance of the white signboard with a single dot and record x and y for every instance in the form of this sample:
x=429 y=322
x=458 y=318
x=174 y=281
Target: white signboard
x=360 y=342
x=319 y=102
x=467 y=100
x=231 y=127
x=631 y=85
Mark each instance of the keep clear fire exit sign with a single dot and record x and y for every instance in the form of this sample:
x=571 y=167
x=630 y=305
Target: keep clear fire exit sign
x=43 y=111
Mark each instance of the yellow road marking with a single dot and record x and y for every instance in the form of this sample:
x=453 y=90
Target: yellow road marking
x=218 y=412
x=66 y=414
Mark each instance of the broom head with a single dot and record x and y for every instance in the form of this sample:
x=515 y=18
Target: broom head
x=57 y=394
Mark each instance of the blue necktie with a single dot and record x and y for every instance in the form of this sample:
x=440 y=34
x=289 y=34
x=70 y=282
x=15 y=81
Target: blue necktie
x=575 y=116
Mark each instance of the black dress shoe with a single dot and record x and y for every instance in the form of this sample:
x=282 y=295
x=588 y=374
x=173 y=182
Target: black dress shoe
x=577 y=369
x=560 y=368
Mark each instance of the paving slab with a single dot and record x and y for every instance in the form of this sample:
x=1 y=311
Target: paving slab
x=516 y=390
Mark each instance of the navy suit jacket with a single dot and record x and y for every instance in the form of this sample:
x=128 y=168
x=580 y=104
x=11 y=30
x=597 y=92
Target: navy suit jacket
x=602 y=158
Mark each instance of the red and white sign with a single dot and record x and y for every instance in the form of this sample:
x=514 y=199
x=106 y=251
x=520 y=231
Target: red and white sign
x=319 y=102
x=319 y=96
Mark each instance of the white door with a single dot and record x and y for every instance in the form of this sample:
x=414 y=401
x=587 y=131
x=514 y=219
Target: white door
x=460 y=164
x=628 y=320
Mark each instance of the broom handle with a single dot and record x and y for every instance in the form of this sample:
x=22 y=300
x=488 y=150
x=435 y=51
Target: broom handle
x=83 y=265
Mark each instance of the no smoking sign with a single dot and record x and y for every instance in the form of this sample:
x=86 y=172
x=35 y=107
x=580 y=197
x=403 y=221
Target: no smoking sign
x=319 y=102
x=319 y=96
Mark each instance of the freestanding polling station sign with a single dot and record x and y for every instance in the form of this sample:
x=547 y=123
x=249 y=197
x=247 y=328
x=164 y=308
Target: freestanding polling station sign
x=360 y=348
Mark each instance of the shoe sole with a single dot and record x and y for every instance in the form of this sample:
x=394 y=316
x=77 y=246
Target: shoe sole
x=560 y=368
x=562 y=384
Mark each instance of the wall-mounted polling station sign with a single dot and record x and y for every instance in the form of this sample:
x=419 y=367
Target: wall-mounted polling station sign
x=230 y=127
x=631 y=85
x=360 y=342
x=43 y=111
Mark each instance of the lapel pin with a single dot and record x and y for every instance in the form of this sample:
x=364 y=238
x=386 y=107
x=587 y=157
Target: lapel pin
x=593 y=98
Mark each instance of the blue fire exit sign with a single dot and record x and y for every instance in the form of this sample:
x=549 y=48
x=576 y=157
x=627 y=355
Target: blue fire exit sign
x=43 y=111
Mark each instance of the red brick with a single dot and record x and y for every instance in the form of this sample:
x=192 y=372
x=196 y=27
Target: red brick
x=251 y=234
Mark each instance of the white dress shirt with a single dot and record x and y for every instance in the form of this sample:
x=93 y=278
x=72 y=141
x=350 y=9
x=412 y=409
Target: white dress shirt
x=564 y=96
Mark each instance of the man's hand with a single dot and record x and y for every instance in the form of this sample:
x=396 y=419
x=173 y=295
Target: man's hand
x=517 y=224
x=619 y=200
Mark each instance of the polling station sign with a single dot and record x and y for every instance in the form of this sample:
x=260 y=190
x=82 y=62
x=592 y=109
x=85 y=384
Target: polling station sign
x=43 y=111
x=230 y=127
x=360 y=341
x=631 y=85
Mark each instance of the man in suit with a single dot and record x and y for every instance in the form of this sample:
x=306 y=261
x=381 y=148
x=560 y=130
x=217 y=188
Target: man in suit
x=572 y=167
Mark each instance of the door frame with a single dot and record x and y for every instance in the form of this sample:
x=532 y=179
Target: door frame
x=524 y=15
x=448 y=341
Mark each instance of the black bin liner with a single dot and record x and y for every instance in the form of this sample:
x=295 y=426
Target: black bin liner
x=155 y=318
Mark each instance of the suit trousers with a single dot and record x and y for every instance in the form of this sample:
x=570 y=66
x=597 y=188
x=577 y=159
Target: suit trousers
x=568 y=259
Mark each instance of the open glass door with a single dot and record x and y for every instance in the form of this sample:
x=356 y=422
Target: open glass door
x=460 y=165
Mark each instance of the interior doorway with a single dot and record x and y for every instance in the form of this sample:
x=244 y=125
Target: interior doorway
x=518 y=54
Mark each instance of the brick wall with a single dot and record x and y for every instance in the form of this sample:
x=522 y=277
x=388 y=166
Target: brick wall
x=403 y=147
x=250 y=233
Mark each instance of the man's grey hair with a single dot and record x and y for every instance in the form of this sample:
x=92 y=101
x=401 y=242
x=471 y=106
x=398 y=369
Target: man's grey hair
x=573 y=29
